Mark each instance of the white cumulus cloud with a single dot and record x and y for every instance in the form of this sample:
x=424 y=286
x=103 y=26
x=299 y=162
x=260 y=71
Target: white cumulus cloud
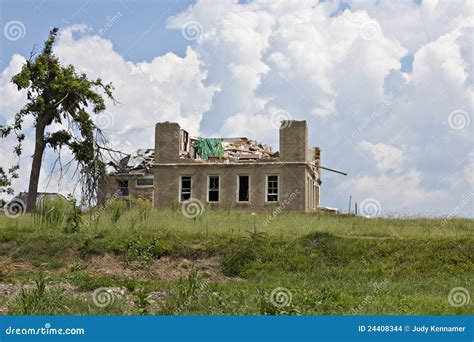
x=336 y=65
x=387 y=157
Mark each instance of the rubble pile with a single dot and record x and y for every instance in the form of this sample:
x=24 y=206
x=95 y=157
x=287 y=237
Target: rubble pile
x=245 y=149
x=141 y=159
x=198 y=149
x=227 y=149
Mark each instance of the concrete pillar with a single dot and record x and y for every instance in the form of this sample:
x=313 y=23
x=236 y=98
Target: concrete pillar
x=294 y=141
x=167 y=142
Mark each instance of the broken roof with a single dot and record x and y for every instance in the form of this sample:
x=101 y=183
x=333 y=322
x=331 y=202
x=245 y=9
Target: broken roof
x=244 y=149
x=140 y=160
x=234 y=149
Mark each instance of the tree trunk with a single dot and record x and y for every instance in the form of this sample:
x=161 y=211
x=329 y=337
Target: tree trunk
x=36 y=167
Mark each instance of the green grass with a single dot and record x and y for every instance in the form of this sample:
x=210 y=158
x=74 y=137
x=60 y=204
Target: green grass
x=326 y=264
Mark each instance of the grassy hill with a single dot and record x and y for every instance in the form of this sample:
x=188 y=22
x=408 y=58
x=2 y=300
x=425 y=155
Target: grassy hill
x=143 y=261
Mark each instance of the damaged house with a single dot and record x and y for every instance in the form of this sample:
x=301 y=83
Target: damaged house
x=131 y=176
x=231 y=173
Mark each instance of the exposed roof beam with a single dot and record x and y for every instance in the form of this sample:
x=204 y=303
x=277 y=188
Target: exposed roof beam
x=332 y=170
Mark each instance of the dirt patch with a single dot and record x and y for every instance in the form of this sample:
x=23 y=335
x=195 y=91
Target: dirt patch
x=171 y=268
x=108 y=264
x=165 y=268
x=9 y=289
x=367 y=237
x=7 y=265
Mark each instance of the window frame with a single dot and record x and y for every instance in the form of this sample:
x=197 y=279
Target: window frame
x=218 y=188
x=122 y=187
x=238 y=188
x=181 y=188
x=266 y=188
x=145 y=186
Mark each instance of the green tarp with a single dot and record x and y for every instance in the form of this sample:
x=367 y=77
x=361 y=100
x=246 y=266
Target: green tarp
x=208 y=147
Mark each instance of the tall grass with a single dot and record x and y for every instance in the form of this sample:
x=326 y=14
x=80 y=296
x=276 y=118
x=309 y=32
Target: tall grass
x=286 y=225
x=329 y=263
x=58 y=213
x=51 y=213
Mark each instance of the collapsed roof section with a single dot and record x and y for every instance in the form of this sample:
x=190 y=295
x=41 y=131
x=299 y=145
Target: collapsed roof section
x=223 y=150
x=230 y=149
x=139 y=162
x=141 y=158
x=245 y=149
x=197 y=149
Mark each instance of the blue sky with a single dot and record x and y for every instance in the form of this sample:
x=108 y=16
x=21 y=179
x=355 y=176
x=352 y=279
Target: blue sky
x=141 y=35
x=386 y=87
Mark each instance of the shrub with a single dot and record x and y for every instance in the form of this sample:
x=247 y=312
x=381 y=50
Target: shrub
x=144 y=209
x=87 y=282
x=50 y=213
x=143 y=301
x=187 y=293
x=145 y=250
x=38 y=300
x=73 y=218
x=242 y=253
x=116 y=208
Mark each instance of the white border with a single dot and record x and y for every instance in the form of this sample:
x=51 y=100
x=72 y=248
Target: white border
x=238 y=188
x=219 y=189
x=144 y=186
x=180 y=188
x=266 y=188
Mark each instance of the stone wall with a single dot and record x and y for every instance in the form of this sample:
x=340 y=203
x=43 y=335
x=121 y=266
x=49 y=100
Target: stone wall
x=291 y=185
x=110 y=184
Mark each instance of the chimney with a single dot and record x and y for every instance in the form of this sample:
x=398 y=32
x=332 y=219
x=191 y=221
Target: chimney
x=167 y=142
x=294 y=141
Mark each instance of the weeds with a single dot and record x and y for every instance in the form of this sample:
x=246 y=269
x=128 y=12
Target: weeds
x=74 y=217
x=187 y=293
x=328 y=262
x=143 y=209
x=38 y=300
x=50 y=213
x=144 y=250
x=116 y=208
x=243 y=252
x=143 y=302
